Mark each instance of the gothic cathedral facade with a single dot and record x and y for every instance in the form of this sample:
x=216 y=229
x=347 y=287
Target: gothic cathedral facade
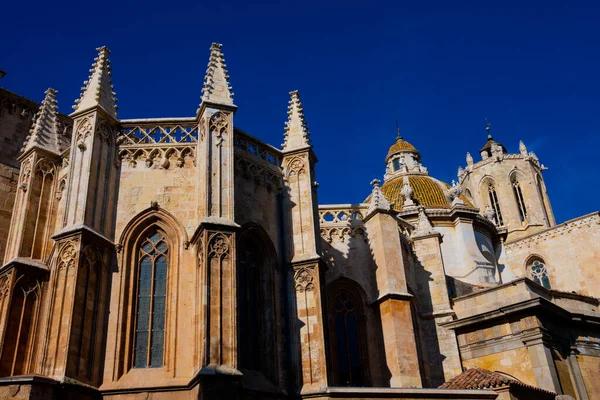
x=182 y=258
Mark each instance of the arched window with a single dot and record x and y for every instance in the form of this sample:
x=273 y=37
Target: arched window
x=152 y=291
x=396 y=164
x=495 y=204
x=520 y=200
x=348 y=336
x=258 y=341
x=539 y=273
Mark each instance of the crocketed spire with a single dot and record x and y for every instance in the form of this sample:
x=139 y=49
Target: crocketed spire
x=44 y=132
x=98 y=89
x=378 y=201
x=216 y=82
x=296 y=132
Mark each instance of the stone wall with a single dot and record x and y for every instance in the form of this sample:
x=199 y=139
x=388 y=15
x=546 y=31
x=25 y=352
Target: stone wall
x=590 y=366
x=570 y=252
x=9 y=176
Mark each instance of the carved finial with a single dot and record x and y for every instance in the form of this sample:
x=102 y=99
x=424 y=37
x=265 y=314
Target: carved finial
x=378 y=201
x=455 y=191
x=296 y=131
x=98 y=89
x=469 y=159
x=489 y=214
x=424 y=226
x=522 y=148
x=460 y=173
x=44 y=131
x=216 y=82
x=407 y=193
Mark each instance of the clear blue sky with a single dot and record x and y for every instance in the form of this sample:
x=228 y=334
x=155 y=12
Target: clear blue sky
x=440 y=68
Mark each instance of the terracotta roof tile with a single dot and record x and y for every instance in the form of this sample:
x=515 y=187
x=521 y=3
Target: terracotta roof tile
x=478 y=378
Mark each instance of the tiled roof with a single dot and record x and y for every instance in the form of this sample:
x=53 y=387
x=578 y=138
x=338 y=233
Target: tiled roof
x=478 y=378
x=427 y=191
x=399 y=146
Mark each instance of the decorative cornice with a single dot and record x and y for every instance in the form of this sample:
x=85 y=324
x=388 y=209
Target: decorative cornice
x=583 y=222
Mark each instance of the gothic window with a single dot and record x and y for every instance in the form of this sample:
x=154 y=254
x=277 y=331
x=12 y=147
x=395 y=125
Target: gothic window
x=539 y=273
x=520 y=200
x=258 y=346
x=495 y=204
x=152 y=291
x=348 y=339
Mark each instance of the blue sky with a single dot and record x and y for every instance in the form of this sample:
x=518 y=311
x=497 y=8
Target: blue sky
x=440 y=68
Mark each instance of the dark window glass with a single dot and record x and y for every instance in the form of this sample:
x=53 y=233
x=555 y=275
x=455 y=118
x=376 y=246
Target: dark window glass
x=495 y=205
x=152 y=292
x=396 y=164
x=346 y=332
x=540 y=274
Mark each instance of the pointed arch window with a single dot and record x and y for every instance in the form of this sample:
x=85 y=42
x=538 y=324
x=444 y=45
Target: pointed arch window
x=348 y=336
x=151 y=302
x=539 y=273
x=495 y=204
x=520 y=200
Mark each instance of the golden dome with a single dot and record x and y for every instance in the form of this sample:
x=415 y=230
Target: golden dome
x=427 y=191
x=400 y=146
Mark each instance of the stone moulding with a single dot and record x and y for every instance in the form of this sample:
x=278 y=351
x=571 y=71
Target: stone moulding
x=583 y=222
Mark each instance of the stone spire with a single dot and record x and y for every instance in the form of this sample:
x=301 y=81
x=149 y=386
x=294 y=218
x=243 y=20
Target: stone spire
x=378 y=201
x=44 y=133
x=296 y=132
x=423 y=226
x=522 y=148
x=98 y=89
x=216 y=82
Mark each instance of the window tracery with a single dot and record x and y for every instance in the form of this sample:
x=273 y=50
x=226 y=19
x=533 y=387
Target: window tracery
x=495 y=204
x=539 y=273
x=520 y=200
x=151 y=302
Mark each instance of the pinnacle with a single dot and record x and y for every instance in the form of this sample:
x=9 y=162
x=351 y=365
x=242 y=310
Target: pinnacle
x=216 y=82
x=378 y=200
x=98 y=89
x=296 y=131
x=44 y=132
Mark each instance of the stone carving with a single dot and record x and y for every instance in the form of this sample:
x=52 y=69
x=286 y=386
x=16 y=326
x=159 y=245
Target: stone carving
x=455 y=191
x=219 y=246
x=262 y=176
x=61 y=189
x=162 y=156
x=97 y=90
x=159 y=133
x=407 y=193
x=469 y=159
x=91 y=257
x=5 y=285
x=378 y=199
x=216 y=81
x=66 y=258
x=83 y=132
x=296 y=167
x=424 y=226
x=296 y=133
x=45 y=166
x=218 y=125
x=25 y=175
x=256 y=149
x=490 y=214
x=304 y=279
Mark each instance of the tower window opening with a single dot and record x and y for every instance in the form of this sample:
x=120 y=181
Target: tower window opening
x=520 y=200
x=495 y=204
x=396 y=164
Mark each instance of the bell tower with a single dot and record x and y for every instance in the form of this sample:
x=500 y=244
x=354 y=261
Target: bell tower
x=508 y=188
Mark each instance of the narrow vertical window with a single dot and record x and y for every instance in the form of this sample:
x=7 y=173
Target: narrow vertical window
x=152 y=291
x=347 y=340
x=520 y=200
x=396 y=164
x=539 y=273
x=495 y=204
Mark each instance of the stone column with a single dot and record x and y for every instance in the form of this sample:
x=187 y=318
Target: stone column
x=544 y=370
x=577 y=376
x=393 y=297
x=308 y=331
x=440 y=346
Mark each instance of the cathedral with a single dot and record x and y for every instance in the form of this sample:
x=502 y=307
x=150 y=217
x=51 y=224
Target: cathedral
x=183 y=258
